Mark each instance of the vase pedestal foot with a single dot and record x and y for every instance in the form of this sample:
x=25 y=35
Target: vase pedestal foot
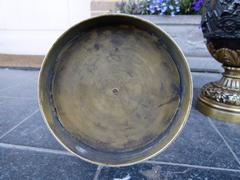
x=221 y=99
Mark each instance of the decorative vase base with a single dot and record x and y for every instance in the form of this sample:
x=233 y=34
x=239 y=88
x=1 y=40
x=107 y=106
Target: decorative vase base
x=221 y=99
x=218 y=111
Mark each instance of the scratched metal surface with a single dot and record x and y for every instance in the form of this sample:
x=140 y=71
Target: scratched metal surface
x=116 y=88
x=116 y=92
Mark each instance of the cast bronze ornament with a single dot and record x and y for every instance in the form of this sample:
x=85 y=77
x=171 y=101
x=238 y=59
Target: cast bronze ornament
x=220 y=25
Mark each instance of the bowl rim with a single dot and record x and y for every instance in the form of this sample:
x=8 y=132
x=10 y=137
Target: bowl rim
x=187 y=100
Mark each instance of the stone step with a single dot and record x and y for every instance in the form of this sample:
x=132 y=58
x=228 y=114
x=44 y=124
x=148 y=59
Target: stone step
x=103 y=5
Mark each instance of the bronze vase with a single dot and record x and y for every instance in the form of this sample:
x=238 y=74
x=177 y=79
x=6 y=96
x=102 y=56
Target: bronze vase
x=221 y=28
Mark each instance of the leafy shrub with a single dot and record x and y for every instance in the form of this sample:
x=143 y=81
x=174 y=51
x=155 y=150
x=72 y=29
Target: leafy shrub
x=160 y=7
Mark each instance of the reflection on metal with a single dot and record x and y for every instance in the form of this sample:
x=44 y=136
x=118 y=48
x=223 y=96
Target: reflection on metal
x=220 y=24
x=115 y=90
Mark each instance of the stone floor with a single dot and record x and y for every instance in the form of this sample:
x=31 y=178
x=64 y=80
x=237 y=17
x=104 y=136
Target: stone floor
x=206 y=148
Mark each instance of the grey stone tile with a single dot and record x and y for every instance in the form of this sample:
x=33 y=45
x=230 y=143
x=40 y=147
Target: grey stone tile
x=231 y=133
x=205 y=64
x=13 y=111
x=196 y=94
x=33 y=132
x=21 y=164
x=168 y=20
x=189 y=38
x=7 y=78
x=27 y=90
x=18 y=83
x=13 y=78
x=199 y=79
x=159 y=172
x=199 y=144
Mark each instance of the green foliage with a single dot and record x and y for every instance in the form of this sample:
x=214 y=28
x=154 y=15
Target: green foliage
x=157 y=7
x=186 y=7
x=132 y=6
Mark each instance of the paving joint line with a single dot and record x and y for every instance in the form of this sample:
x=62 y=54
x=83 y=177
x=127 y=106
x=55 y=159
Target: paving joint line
x=192 y=166
x=205 y=71
x=60 y=152
x=224 y=140
x=23 y=68
x=98 y=171
x=193 y=70
x=14 y=127
x=221 y=136
x=26 y=98
x=35 y=149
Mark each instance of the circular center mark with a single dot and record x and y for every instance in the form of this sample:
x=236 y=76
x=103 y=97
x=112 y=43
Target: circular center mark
x=115 y=91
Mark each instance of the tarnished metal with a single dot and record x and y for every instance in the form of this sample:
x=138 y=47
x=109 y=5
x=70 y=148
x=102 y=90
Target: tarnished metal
x=115 y=90
x=220 y=25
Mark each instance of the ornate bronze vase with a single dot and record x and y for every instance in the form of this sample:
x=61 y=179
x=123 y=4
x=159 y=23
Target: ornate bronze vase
x=221 y=28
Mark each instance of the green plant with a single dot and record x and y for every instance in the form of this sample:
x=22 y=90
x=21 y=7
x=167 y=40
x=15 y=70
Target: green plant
x=160 y=7
x=186 y=7
x=132 y=6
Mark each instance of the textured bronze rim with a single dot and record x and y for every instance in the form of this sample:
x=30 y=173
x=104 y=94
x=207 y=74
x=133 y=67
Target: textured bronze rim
x=218 y=111
x=183 y=111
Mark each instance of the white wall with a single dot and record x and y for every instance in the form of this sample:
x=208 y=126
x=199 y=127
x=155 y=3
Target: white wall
x=31 y=26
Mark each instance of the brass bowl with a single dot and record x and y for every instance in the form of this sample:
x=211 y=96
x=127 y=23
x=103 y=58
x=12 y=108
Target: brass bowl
x=115 y=90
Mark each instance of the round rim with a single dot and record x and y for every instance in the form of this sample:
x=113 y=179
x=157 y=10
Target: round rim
x=186 y=102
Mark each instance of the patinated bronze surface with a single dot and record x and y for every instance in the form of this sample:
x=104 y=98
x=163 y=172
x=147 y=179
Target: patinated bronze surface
x=220 y=24
x=115 y=90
